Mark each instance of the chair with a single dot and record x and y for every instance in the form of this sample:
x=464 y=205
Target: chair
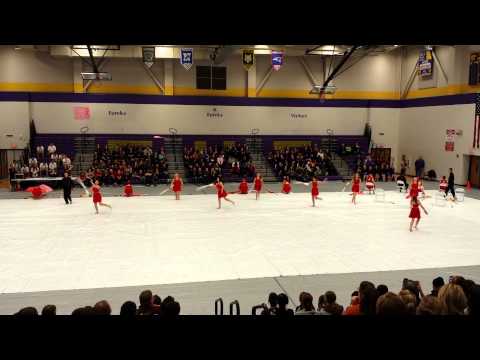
x=460 y=194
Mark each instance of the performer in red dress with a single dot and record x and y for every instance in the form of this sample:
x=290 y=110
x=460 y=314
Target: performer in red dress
x=221 y=193
x=243 y=187
x=128 y=190
x=97 y=197
x=176 y=186
x=258 y=183
x=370 y=184
x=286 y=187
x=413 y=189
x=314 y=191
x=355 y=187
x=421 y=189
x=415 y=212
x=443 y=184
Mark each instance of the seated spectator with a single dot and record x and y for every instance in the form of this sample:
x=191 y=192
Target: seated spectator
x=368 y=298
x=382 y=289
x=157 y=300
x=331 y=307
x=282 y=306
x=102 y=308
x=390 y=304
x=27 y=312
x=430 y=305
x=84 y=311
x=321 y=304
x=49 y=310
x=306 y=305
x=170 y=310
x=472 y=292
x=51 y=150
x=409 y=300
x=147 y=307
x=129 y=308
x=354 y=307
x=273 y=302
x=453 y=299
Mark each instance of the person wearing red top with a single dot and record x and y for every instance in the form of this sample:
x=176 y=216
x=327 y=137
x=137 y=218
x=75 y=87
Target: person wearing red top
x=37 y=192
x=370 y=184
x=128 y=189
x=413 y=188
x=243 y=187
x=176 y=186
x=286 y=187
x=443 y=184
x=355 y=187
x=421 y=189
x=257 y=186
x=415 y=204
x=97 y=197
x=221 y=193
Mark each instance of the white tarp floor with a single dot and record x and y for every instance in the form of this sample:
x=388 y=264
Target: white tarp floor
x=47 y=245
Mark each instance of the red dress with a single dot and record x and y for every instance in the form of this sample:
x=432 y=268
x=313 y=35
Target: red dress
x=221 y=191
x=414 y=190
x=243 y=188
x=356 y=186
x=369 y=183
x=414 y=212
x=286 y=188
x=97 y=196
x=315 y=191
x=128 y=190
x=37 y=192
x=258 y=185
x=177 y=185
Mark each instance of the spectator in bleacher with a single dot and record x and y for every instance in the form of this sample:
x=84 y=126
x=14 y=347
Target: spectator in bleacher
x=52 y=168
x=282 y=306
x=102 y=308
x=28 y=311
x=368 y=296
x=410 y=301
x=306 y=305
x=51 y=150
x=430 y=305
x=170 y=310
x=129 y=308
x=382 y=289
x=147 y=307
x=40 y=152
x=25 y=171
x=34 y=171
x=472 y=292
x=354 y=307
x=32 y=162
x=390 y=304
x=273 y=304
x=43 y=169
x=331 y=307
x=49 y=310
x=453 y=299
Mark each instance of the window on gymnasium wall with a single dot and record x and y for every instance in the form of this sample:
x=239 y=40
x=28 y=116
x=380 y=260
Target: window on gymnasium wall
x=212 y=77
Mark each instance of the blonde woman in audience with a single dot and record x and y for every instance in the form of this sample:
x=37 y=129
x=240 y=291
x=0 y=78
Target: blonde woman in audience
x=453 y=299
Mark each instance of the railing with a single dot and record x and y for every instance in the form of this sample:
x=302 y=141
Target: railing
x=257 y=307
x=219 y=306
x=237 y=307
x=174 y=132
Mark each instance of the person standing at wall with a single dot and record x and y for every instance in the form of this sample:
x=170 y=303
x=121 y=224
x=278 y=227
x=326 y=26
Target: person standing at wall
x=451 y=185
x=67 y=185
x=419 y=167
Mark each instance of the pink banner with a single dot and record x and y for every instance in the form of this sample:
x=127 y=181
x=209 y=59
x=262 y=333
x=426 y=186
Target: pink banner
x=81 y=112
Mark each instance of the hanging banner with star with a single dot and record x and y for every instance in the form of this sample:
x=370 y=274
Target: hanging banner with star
x=248 y=59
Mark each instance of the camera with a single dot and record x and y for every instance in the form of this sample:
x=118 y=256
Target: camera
x=410 y=285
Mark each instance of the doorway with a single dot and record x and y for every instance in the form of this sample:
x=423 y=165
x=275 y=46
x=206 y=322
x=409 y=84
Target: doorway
x=474 y=173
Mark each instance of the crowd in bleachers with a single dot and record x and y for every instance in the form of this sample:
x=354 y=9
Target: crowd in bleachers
x=301 y=163
x=205 y=165
x=42 y=162
x=381 y=170
x=458 y=296
x=137 y=164
x=148 y=305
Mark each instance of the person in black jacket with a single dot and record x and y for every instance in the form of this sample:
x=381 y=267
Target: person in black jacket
x=67 y=185
x=451 y=185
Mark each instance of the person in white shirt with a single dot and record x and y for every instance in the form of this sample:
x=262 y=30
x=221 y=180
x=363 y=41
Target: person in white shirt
x=35 y=172
x=25 y=171
x=40 y=151
x=51 y=149
x=43 y=169
x=52 y=168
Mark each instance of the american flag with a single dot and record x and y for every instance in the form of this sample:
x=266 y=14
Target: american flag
x=81 y=112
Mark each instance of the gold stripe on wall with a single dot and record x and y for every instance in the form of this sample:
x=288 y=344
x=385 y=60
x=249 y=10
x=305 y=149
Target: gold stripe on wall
x=36 y=87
